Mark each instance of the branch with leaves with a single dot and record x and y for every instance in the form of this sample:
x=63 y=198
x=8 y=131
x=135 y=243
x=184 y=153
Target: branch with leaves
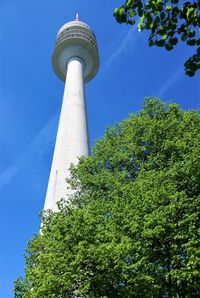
x=169 y=21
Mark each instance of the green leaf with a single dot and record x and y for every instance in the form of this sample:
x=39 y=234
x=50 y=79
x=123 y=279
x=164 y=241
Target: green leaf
x=191 y=33
x=173 y=41
x=160 y=43
x=151 y=43
x=168 y=47
x=168 y=7
x=164 y=37
x=191 y=42
x=131 y=22
x=132 y=13
x=115 y=13
x=140 y=24
x=129 y=3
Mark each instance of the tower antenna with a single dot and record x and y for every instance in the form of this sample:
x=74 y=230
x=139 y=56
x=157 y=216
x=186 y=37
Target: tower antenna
x=77 y=17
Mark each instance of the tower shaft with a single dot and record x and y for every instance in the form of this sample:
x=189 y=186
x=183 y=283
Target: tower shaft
x=75 y=60
x=72 y=136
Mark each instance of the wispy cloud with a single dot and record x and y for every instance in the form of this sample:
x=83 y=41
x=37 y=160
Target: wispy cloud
x=123 y=45
x=45 y=138
x=7 y=175
x=170 y=82
x=41 y=144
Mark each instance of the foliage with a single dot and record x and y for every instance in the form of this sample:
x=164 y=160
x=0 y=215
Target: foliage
x=168 y=21
x=132 y=228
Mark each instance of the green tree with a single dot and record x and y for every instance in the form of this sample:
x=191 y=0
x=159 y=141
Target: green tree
x=132 y=228
x=168 y=22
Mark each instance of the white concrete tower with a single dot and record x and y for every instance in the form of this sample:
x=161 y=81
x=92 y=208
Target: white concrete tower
x=75 y=60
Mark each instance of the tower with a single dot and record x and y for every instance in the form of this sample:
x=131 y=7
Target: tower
x=75 y=61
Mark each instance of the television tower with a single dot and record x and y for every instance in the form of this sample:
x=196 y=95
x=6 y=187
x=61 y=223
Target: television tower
x=75 y=61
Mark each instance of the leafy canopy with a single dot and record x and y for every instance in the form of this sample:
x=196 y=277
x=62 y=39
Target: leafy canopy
x=168 y=21
x=132 y=228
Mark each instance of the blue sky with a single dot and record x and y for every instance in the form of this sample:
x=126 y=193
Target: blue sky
x=31 y=94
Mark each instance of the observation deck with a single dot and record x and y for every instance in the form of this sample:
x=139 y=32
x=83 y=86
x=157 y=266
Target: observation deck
x=76 y=39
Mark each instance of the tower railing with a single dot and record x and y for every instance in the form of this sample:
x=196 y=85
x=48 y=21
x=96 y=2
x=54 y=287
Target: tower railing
x=75 y=33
